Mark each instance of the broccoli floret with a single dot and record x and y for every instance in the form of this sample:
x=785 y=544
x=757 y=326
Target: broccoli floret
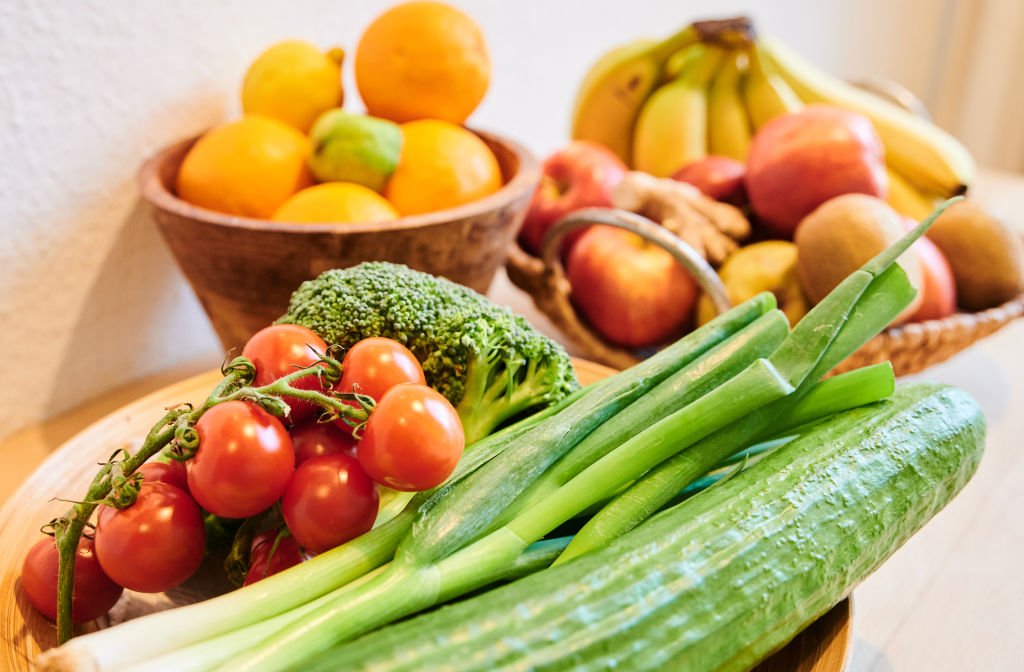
x=490 y=363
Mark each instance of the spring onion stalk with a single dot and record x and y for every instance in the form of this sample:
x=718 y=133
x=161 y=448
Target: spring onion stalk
x=874 y=307
x=860 y=307
x=660 y=488
x=464 y=511
x=209 y=654
x=839 y=393
x=693 y=381
x=409 y=586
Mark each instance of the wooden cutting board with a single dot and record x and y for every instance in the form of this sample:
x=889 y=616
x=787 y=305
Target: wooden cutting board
x=822 y=647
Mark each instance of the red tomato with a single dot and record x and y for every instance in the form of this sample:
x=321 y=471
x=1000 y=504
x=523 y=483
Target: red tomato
x=376 y=365
x=284 y=556
x=314 y=439
x=329 y=501
x=413 y=439
x=277 y=351
x=244 y=461
x=154 y=544
x=172 y=473
x=94 y=593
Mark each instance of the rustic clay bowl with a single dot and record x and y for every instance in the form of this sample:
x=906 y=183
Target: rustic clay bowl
x=243 y=270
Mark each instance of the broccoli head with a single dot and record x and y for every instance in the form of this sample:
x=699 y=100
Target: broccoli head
x=490 y=363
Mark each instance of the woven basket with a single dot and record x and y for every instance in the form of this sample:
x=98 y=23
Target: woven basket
x=911 y=347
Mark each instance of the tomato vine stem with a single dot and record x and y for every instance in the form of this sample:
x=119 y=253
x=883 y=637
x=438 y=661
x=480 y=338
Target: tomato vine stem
x=179 y=421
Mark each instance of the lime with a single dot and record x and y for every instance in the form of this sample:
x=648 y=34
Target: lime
x=354 y=148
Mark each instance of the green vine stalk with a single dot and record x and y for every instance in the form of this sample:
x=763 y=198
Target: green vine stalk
x=113 y=484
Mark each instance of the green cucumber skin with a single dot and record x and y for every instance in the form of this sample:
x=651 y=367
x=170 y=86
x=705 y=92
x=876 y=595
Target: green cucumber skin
x=758 y=558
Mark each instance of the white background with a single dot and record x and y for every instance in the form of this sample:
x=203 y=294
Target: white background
x=89 y=297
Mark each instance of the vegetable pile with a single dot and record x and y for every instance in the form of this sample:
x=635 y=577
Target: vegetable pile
x=695 y=511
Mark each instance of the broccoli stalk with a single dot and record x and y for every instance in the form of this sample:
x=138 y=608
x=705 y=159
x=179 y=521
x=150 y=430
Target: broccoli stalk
x=503 y=382
x=490 y=363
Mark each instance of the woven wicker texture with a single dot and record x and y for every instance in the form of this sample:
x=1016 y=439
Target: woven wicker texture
x=910 y=347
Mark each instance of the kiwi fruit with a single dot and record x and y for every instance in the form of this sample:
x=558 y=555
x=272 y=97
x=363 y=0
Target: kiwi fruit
x=841 y=235
x=986 y=256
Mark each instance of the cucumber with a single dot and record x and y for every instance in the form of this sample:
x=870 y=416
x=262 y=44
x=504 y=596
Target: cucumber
x=722 y=580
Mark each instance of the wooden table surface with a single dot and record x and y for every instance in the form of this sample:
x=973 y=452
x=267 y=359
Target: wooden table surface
x=948 y=600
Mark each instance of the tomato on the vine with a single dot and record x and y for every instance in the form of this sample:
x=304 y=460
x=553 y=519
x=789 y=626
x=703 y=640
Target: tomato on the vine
x=314 y=439
x=375 y=365
x=413 y=439
x=153 y=545
x=281 y=349
x=93 y=595
x=172 y=473
x=266 y=560
x=244 y=460
x=329 y=501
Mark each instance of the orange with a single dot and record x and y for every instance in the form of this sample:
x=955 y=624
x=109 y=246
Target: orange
x=336 y=202
x=442 y=165
x=422 y=60
x=246 y=167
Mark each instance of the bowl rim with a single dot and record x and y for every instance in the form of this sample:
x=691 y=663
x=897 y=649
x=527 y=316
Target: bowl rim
x=153 y=190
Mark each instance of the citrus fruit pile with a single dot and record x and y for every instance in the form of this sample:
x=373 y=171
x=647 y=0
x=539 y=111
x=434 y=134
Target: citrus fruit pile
x=296 y=156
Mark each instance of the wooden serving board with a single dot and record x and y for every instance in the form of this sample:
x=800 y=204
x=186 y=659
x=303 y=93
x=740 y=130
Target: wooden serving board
x=822 y=647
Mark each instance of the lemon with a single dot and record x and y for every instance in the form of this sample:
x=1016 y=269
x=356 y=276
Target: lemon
x=354 y=148
x=245 y=167
x=339 y=202
x=768 y=266
x=295 y=82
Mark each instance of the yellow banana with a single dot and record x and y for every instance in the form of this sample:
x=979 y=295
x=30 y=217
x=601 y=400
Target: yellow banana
x=671 y=130
x=931 y=159
x=765 y=93
x=616 y=86
x=907 y=200
x=728 y=126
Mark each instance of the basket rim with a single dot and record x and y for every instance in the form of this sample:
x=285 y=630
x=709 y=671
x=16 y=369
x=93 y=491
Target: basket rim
x=889 y=341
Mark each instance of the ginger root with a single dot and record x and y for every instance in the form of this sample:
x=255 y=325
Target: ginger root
x=712 y=228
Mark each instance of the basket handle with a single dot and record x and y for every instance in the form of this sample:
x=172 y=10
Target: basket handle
x=647 y=229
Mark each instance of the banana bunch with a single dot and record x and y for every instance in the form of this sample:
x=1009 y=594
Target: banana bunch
x=708 y=88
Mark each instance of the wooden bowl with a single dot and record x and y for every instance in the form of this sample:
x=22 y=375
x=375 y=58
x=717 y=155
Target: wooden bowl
x=822 y=647
x=244 y=270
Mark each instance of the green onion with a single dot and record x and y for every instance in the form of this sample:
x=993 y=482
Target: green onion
x=878 y=304
x=839 y=393
x=461 y=512
x=693 y=381
x=408 y=586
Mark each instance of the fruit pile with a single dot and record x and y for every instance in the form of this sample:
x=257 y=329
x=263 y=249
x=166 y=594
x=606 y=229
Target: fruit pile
x=302 y=487
x=827 y=174
x=296 y=156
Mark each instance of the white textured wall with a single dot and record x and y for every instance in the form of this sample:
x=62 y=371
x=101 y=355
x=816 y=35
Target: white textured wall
x=90 y=299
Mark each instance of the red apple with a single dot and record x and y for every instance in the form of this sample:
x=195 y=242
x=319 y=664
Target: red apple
x=938 y=286
x=800 y=160
x=632 y=292
x=580 y=175
x=718 y=177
